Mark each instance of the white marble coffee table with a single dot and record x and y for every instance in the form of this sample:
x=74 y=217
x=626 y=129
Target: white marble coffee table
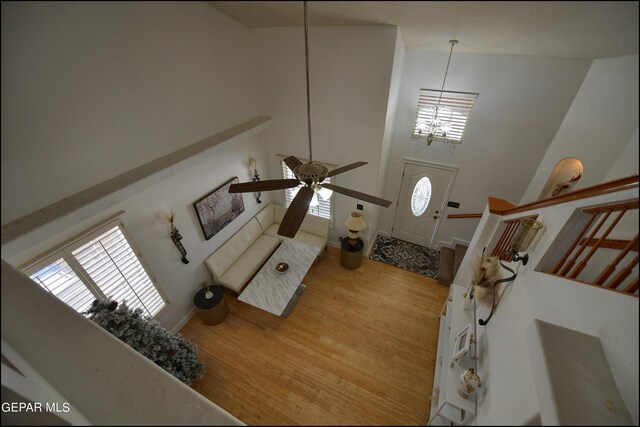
x=276 y=292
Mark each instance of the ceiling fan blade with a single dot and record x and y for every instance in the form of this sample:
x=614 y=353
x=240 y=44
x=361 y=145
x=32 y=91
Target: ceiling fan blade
x=292 y=162
x=295 y=213
x=266 y=185
x=345 y=168
x=358 y=195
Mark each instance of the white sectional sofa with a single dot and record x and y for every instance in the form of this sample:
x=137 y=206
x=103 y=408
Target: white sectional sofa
x=239 y=258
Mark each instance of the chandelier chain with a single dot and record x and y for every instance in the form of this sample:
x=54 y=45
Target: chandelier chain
x=446 y=71
x=306 y=57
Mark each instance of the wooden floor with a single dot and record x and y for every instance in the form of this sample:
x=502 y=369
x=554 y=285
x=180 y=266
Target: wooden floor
x=358 y=349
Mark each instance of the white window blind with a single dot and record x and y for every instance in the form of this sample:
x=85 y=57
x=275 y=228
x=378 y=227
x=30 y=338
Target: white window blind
x=59 y=279
x=324 y=207
x=454 y=108
x=103 y=265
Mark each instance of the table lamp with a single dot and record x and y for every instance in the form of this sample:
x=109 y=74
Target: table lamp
x=354 y=224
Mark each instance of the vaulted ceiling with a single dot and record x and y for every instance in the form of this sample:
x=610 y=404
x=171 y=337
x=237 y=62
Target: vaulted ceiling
x=566 y=29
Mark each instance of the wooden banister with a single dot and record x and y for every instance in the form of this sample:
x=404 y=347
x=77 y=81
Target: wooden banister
x=498 y=206
x=504 y=240
x=572 y=261
x=562 y=260
x=633 y=286
x=461 y=216
x=609 y=269
x=583 y=263
x=502 y=207
x=617 y=244
x=623 y=274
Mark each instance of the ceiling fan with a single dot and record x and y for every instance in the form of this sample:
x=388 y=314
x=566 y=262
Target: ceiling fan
x=310 y=175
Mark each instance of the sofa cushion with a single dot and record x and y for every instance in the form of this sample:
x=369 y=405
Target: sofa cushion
x=310 y=239
x=265 y=216
x=248 y=263
x=315 y=225
x=301 y=236
x=220 y=261
x=311 y=224
x=278 y=213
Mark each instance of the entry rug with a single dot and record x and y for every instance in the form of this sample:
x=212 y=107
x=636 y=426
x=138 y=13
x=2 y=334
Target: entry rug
x=405 y=255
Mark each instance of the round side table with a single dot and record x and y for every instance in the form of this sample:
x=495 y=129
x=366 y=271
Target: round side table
x=212 y=310
x=351 y=253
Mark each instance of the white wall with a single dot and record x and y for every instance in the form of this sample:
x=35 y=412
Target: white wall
x=509 y=395
x=90 y=90
x=627 y=162
x=394 y=93
x=521 y=103
x=599 y=125
x=107 y=382
x=93 y=89
x=350 y=77
x=144 y=219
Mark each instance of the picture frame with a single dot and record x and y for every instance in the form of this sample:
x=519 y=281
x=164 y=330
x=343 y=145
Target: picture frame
x=218 y=208
x=462 y=344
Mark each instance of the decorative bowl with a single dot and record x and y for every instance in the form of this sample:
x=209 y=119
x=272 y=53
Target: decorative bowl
x=282 y=267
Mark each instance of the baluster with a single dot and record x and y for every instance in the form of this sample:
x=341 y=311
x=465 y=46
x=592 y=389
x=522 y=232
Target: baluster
x=609 y=269
x=584 y=244
x=582 y=264
x=498 y=247
x=574 y=244
x=632 y=287
x=624 y=272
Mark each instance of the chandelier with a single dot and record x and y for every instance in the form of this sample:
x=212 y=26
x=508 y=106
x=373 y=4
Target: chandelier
x=438 y=126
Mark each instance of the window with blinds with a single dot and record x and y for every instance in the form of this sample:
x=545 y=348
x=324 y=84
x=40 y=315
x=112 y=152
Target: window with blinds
x=324 y=207
x=102 y=265
x=453 y=111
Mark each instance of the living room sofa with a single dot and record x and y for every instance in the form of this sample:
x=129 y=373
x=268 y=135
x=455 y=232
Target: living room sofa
x=235 y=262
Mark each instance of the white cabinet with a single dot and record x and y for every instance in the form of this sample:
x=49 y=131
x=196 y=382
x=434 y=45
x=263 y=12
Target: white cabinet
x=447 y=405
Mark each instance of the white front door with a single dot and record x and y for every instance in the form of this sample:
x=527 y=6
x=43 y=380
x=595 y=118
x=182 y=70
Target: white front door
x=421 y=203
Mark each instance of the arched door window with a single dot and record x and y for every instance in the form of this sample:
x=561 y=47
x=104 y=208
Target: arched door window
x=421 y=196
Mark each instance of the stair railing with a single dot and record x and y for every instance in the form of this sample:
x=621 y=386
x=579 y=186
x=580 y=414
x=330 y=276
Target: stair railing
x=570 y=265
x=591 y=238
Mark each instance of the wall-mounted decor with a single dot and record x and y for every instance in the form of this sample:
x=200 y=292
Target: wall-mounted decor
x=463 y=342
x=176 y=237
x=218 y=208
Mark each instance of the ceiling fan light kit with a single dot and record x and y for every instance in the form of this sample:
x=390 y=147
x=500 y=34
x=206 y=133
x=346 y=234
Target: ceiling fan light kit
x=309 y=175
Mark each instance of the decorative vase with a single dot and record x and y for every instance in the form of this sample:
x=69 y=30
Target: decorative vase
x=469 y=382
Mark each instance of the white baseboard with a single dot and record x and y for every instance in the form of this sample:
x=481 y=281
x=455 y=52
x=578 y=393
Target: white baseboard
x=184 y=320
x=452 y=244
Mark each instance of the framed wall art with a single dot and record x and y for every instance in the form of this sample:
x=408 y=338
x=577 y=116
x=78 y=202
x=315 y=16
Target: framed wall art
x=463 y=341
x=218 y=208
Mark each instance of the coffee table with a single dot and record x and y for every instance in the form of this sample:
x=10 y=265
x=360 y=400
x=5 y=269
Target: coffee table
x=276 y=292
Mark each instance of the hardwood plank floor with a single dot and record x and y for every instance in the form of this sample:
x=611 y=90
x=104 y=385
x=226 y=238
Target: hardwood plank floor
x=358 y=349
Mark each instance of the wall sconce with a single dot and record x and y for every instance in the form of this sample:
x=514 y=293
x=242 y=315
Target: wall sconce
x=176 y=237
x=256 y=177
x=527 y=230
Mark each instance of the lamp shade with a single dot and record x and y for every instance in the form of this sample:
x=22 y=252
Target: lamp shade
x=355 y=222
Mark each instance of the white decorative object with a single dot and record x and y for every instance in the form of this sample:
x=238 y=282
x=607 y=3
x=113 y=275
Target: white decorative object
x=467 y=302
x=463 y=341
x=469 y=382
x=450 y=408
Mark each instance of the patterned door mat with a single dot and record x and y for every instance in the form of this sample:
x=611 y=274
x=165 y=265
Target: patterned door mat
x=405 y=255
